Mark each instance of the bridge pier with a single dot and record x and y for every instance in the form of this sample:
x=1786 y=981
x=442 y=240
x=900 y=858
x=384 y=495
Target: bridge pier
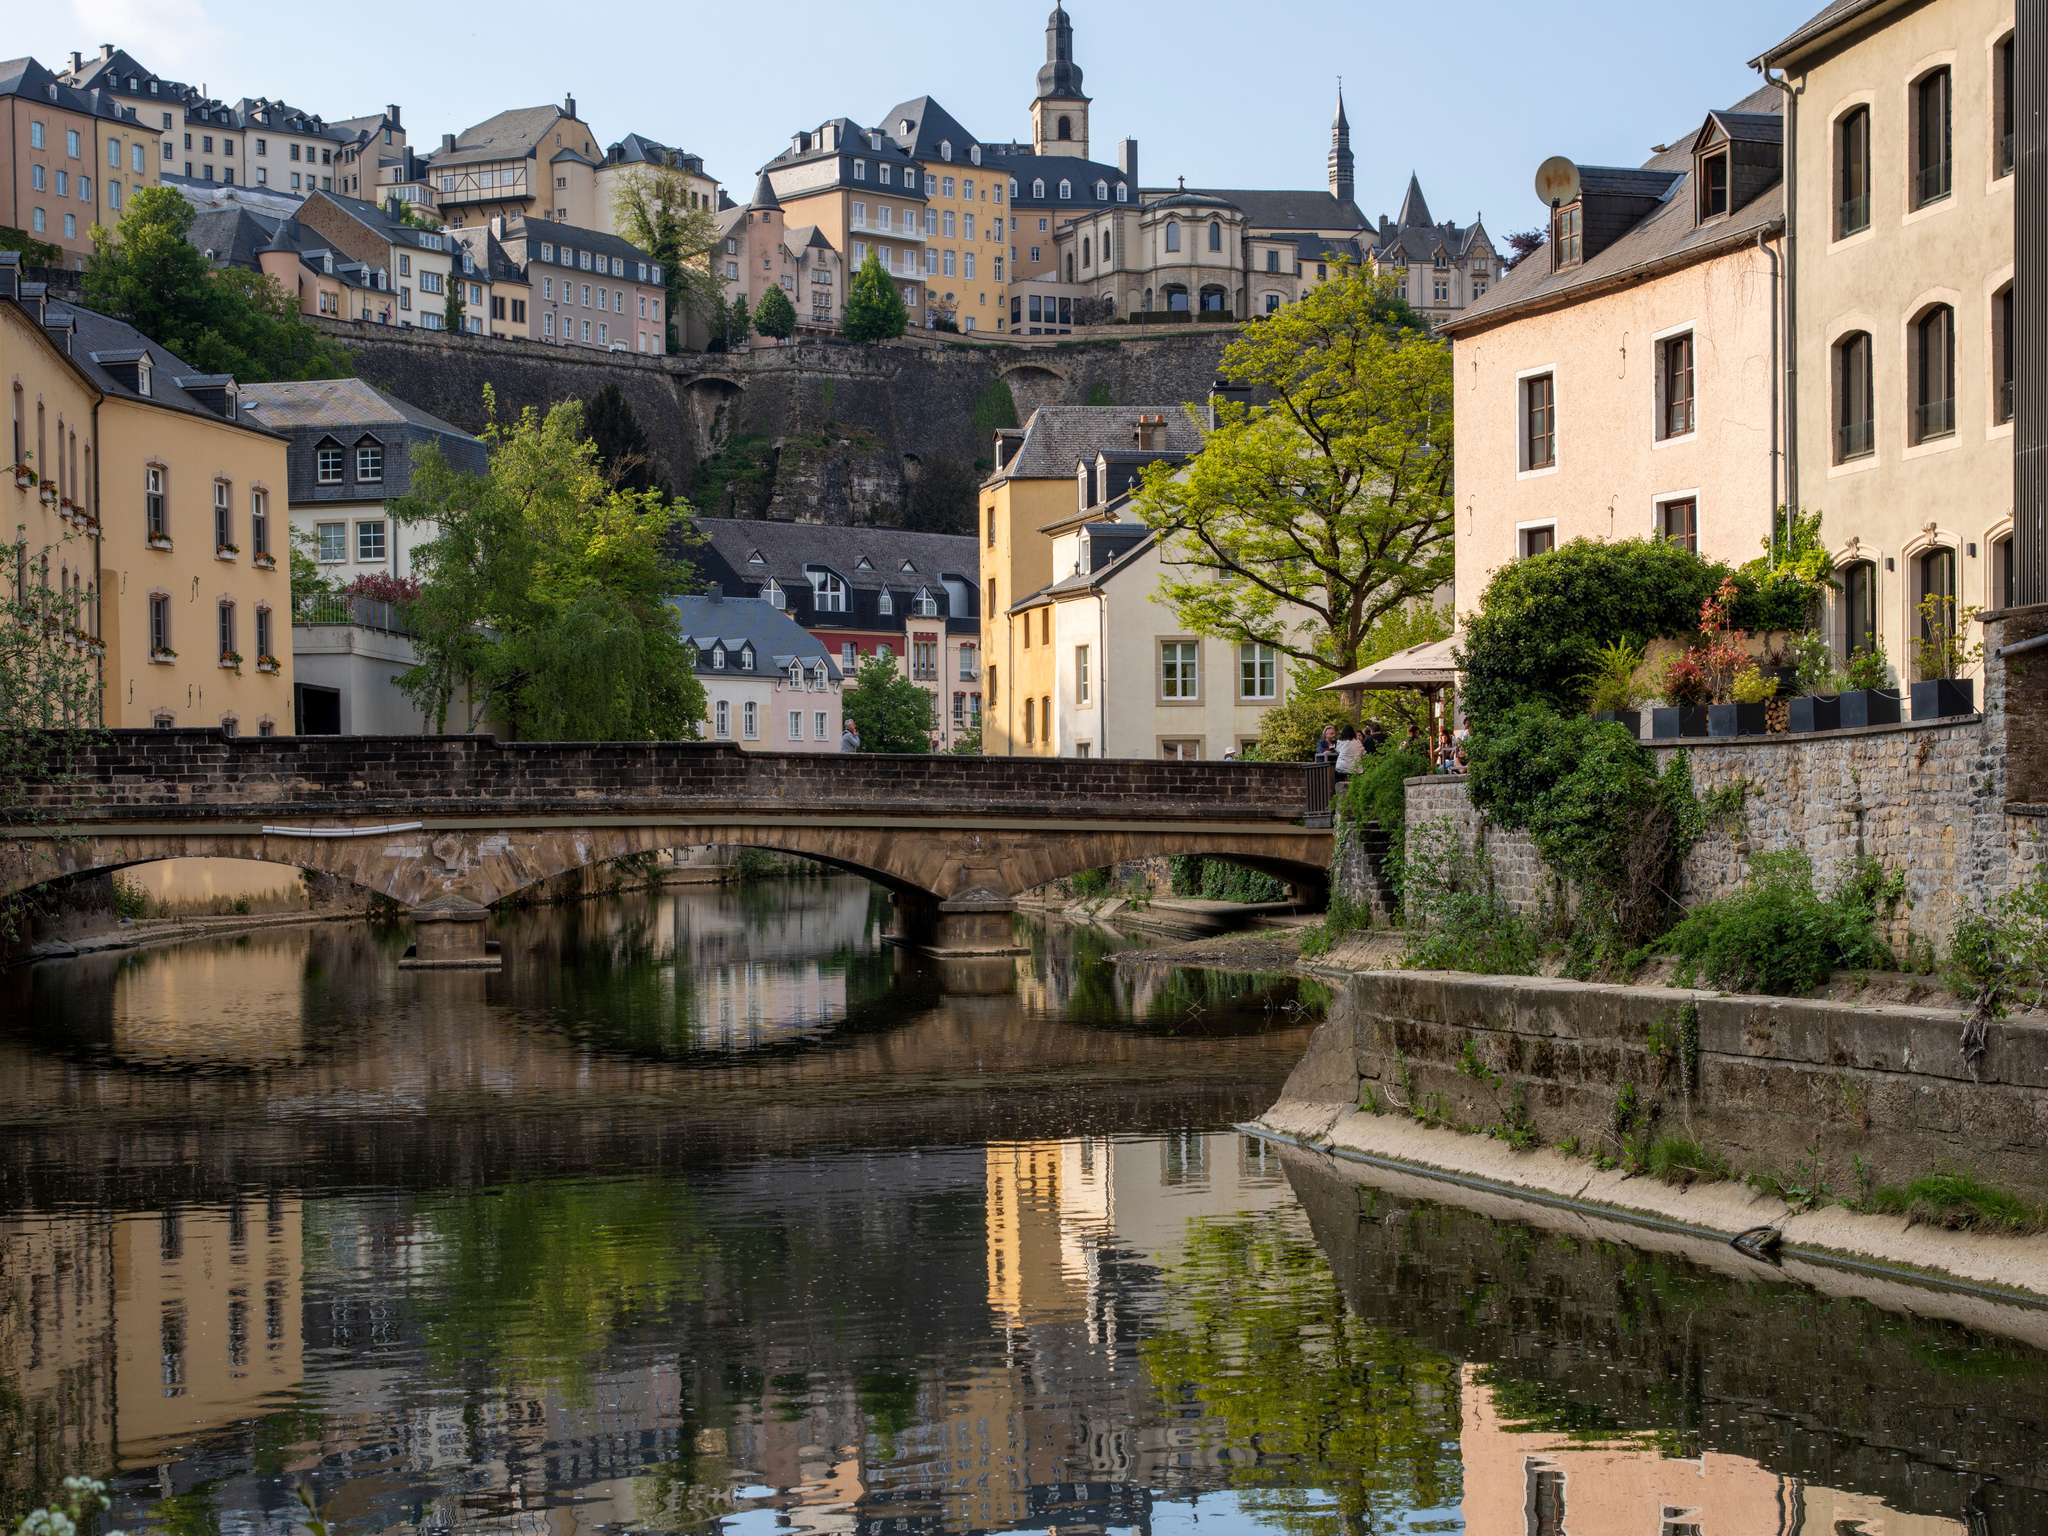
x=448 y=935
x=976 y=924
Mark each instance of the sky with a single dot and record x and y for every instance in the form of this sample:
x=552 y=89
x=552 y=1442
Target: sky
x=1471 y=97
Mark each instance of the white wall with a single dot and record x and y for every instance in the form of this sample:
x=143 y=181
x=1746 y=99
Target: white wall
x=773 y=699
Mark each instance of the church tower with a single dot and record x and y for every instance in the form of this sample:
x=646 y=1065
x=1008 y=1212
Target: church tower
x=1059 y=114
x=1341 y=187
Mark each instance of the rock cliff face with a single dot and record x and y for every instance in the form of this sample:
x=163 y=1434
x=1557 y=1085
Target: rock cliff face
x=824 y=431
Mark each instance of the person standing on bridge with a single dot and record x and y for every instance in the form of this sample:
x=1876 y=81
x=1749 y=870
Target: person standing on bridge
x=849 y=739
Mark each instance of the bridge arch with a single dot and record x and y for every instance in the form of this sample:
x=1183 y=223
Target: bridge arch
x=710 y=404
x=1033 y=384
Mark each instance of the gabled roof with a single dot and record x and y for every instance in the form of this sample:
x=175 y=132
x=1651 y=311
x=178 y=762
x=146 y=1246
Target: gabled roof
x=1741 y=128
x=99 y=340
x=1666 y=237
x=864 y=557
x=505 y=135
x=114 y=70
x=233 y=236
x=1057 y=437
x=930 y=125
x=26 y=78
x=372 y=216
x=713 y=619
x=592 y=240
x=1829 y=18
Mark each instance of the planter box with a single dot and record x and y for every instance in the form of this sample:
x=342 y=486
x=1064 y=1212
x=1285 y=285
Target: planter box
x=1869 y=706
x=1726 y=720
x=1788 y=680
x=1672 y=721
x=1815 y=712
x=1632 y=718
x=1943 y=697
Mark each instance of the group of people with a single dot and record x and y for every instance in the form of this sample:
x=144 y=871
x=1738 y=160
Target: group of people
x=1345 y=747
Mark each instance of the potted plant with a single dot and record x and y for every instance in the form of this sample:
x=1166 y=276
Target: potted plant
x=1868 y=696
x=266 y=663
x=163 y=653
x=231 y=661
x=1940 y=656
x=1614 y=688
x=1816 y=686
x=226 y=551
x=1686 y=692
x=1749 y=692
x=24 y=475
x=264 y=562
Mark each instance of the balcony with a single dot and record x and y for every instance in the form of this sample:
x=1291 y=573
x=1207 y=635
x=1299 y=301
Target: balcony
x=912 y=234
x=335 y=609
x=1854 y=440
x=1934 y=418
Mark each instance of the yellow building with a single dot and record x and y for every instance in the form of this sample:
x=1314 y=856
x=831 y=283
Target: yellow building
x=1031 y=495
x=966 y=207
x=529 y=162
x=163 y=509
x=69 y=158
x=862 y=192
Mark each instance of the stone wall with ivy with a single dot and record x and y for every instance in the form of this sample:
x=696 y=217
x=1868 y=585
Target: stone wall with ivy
x=1928 y=800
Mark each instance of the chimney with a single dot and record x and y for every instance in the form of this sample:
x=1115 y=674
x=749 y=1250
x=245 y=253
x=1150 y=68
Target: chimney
x=391 y=111
x=77 y=61
x=447 y=143
x=568 y=106
x=1151 y=433
x=106 y=50
x=1127 y=162
x=498 y=226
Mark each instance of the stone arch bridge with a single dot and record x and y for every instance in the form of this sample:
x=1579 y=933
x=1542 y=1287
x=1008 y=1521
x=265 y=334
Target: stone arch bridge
x=448 y=825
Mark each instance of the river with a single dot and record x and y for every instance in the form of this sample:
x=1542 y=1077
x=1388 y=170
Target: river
x=713 y=1212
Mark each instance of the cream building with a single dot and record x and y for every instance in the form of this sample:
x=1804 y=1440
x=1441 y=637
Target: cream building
x=1903 y=120
x=758 y=249
x=864 y=193
x=70 y=158
x=768 y=685
x=409 y=268
x=1618 y=383
x=636 y=156
x=527 y=162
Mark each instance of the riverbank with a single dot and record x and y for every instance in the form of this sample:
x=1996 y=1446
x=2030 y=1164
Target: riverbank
x=153 y=932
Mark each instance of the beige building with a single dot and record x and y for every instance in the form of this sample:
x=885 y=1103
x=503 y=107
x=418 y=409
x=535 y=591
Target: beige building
x=635 y=156
x=758 y=249
x=528 y=162
x=1618 y=383
x=409 y=268
x=864 y=193
x=69 y=158
x=1902 y=270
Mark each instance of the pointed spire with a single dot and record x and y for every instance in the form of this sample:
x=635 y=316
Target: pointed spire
x=764 y=195
x=1414 y=209
x=1341 y=185
x=1340 y=121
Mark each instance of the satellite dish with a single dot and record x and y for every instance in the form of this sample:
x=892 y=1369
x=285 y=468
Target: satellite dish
x=1557 y=181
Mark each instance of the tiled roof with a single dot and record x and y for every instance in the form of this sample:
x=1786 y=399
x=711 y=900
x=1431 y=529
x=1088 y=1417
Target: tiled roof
x=1057 y=437
x=1667 y=234
x=346 y=411
x=502 y=136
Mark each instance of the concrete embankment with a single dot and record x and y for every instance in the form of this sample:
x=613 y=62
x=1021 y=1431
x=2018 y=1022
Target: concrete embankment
x=1805 y=1116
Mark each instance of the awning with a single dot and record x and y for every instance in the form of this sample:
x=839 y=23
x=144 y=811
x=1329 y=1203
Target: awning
x=1426 y=667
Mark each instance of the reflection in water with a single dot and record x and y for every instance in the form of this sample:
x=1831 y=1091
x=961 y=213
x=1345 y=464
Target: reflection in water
x=713 y=1211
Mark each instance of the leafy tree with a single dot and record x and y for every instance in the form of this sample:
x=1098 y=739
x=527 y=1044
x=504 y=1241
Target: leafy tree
x=1524 y=242
x=545 y=591
x=1335 y=498
x=968 y=742
x=453 y=311
x=893 y=713
x=149 y=274
x=651 y=207
x=775 y=316
x=874 y=309
x=34 y=252
x=49 y=692
x=622 y=446
x=738 y=324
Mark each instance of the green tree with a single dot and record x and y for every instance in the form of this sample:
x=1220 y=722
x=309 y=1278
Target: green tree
x=453 y=311
x=148 y=273
x=34 y=252
x=893 y=713
x=622 y=446
x=874 y=309
x=652 y=208
x=545 y=590
x=1332 y=500
x=775 y=316
x=737 y=324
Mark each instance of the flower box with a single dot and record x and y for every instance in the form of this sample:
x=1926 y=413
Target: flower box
x=1943 y=697
x=225 y=551
x=49 y=496
x=1632 y=718
x=264 y=562
x=163 y=657
x=24 y=477
x=266 y=663
x=1814 y=712
x=1729 y=720
x=1669 y=722
x=231 y=661
x=159 y=541
x=1869 y=706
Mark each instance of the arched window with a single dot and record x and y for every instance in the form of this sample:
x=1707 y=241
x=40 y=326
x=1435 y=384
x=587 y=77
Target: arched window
x=1855 y=398
x=1066 y=189
x=1858 y=606
x=1176 y=298
x=2003 y=387
x=2005 y=571
x=1932 y=357
x=887 y=603
x=1214 y=300
x=1148 y=300
x=1173 y=234
x=1038 y=186
x=1101 y=191
x=1215 y=234
x=1013 y=189
x=974 y=154
x=945 y=149
x=1065 y=130
x=1852 y=172
x=1930 y=139
x=1087 y=259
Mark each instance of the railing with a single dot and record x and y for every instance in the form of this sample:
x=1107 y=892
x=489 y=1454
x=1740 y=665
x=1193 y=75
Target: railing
x=1852 y=214
x=1934 y=418
x=1930 y=183
x=1854 y=439
x=1321 y=782
x=336 y=608
x=925 y=674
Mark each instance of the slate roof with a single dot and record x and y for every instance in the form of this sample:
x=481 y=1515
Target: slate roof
x=233 y=236
x=869 y=560
x=1127 y=546
x=931 y=124
x=26 y=78
x=591 y=240
x=506 y=135
x=1023 y=166
x=711 y=619
x=116 y=69
x=345 y=411
x=638 y=149
x=99 y=339
x=1825 y=20
x=373 y=217
x=1667 y=234
x=1284 y=209
x=1058 y=437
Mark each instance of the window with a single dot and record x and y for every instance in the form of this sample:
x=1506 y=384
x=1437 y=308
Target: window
x=886 y=604
x=370 y=539
x=1539 y=540
x=1933 y=356
x=750 y=720
x=829 y=592
x=1181 y=749
x=1855 y=398
x=1852 y=172
x=1030 y=722
x=223 y=516
x=1713 y=185
x=332 y=542
x=970 y=666
x=1081 y=680
x=1066 y=187
x=1678 y=522
x=159 y=623
x=1934 y=576
x=1258 y=671
x=35 y=134
x=369 y=461
x=2004 y=115
x=1674 y=386
x=259 y=522
x=155 y=511
x=1539 y=422
x=1173 y=234
x=71 y=142
x=796 y=725
x=263 y=637
x=327 y=464
x=721 y=719
x=2002 y=380
x=1858 y=605
x=1567 y=237
x=2005 y=573
x=1931 y=138
x=1180 y=678
x=228 y=651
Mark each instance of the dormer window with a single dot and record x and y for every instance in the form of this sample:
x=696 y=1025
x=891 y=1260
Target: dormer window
x=863 y=564
x=1567 y=236
x=974 y=154
x=945 y=149
x=927 y=606
x=772 y=594
x=1713 y=177
x=796 y=674
x=718 y=658
x=1081 y=502
x=887 y=603
x=907 y=568
x=746 y=658
x=142 y=375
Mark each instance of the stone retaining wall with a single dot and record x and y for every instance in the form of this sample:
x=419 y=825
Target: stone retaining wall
x=1793 y=1087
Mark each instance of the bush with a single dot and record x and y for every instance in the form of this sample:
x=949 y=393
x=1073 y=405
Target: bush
x=2000 y=957
x=1456 y=918
x=1088 y=884
x=1378 y=793
x=1778 y=935
x=1221 y=880
x=1288 y=731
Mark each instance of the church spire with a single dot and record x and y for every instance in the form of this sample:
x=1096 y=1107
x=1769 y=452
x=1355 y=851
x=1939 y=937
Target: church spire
x=1341 y=185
